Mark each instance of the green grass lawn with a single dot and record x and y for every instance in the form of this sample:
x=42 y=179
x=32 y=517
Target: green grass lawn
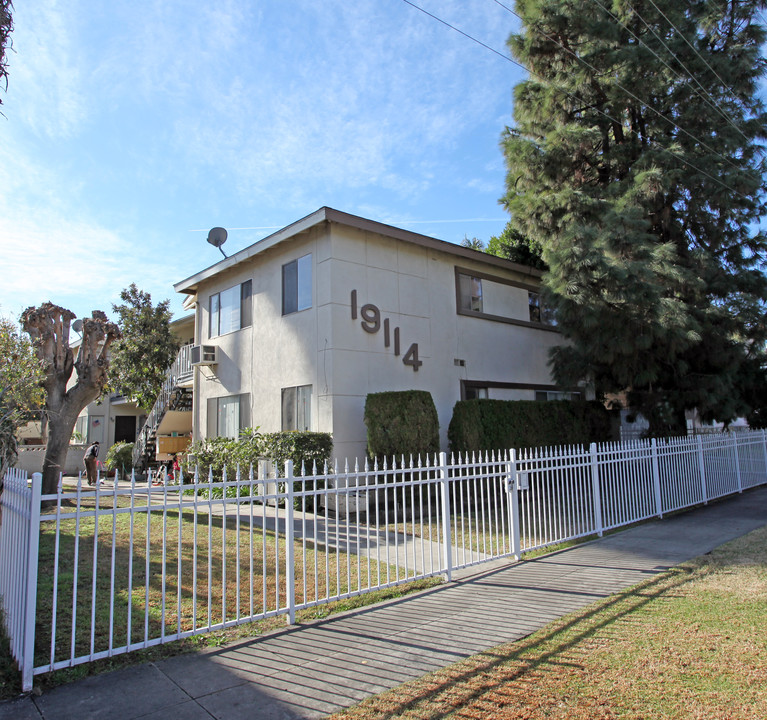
x=690 y=643
x=183 y=601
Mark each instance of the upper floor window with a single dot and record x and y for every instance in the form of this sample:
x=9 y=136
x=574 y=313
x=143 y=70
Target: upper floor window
x=539 y=311
x=470 y=293
x=297 y=407
x=297 y=285
x=231 y=309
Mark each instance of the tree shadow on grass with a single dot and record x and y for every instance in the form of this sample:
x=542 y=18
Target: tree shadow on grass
x=448 y=691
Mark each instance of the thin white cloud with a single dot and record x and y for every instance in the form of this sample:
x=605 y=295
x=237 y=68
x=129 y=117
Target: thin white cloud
x=350 y=104
x=46 y=68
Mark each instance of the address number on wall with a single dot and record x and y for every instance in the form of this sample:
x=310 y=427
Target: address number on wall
x=372 y=322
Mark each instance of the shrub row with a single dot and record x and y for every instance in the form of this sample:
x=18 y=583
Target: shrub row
x=502 y=424
x=303 y=448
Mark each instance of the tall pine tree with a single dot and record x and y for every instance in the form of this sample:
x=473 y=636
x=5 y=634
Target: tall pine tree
x=636 y=164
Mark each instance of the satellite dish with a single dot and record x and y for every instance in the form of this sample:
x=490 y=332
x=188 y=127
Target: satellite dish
x=217 y=237
x=77 y=325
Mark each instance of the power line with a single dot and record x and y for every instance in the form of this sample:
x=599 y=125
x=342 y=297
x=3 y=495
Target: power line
x=692 y=47
x=573 y=96
x=624 y=89
x=704 y=95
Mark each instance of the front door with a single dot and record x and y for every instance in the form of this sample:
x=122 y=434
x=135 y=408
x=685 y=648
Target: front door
x=125 y=428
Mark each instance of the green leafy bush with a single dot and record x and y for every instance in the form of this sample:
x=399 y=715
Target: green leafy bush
x=505 y=424
x=303 y=448
x=120 y=457
x=401 y=423
x=221 y=452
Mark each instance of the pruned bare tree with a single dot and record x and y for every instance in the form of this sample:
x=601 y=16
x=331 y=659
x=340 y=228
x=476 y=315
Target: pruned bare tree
x=48 y=326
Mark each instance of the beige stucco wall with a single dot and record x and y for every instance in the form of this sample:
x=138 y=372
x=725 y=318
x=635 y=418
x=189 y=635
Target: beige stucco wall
x=413 y=287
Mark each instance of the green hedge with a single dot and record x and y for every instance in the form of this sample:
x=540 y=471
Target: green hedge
x=506 y=424
x=300 y=447
x=401 y=423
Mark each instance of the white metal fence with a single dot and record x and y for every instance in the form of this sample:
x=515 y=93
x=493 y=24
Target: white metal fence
x=128 y=566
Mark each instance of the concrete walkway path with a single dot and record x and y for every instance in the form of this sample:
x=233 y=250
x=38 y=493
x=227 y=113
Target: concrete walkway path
x=312 y=670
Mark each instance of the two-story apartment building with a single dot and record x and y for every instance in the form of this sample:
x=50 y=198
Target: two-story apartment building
x=298 y=328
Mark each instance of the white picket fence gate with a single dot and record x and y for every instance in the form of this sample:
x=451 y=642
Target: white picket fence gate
x=108 y=570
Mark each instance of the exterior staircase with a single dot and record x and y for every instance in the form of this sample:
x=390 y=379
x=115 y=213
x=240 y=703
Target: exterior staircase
x=176 y=395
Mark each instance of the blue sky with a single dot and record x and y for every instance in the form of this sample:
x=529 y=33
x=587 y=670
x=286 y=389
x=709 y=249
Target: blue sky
x=133 y=126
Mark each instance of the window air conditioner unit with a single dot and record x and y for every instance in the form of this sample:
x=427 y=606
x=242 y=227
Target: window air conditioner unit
x=204 y=355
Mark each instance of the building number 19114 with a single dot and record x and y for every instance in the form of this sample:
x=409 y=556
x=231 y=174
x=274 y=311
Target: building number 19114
x=372 y=322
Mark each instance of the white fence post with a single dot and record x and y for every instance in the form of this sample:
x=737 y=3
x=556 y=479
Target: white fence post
x=656 y=478
x=30 y=590
x=764 y=453
x=447 y=531
x=290 y=567
x=737 y=460
x=702 y=467
x=513 y=490
x=597 y=494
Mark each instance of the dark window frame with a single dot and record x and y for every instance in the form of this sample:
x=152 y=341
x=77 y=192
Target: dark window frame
x=489 y=316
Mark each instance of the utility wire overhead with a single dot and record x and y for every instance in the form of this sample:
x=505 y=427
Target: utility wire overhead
x=702 y=93
x=628 y=92
x=693 y=48
x=575 y=97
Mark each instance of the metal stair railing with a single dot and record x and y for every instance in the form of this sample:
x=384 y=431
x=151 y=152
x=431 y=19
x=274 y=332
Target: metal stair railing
x=181 y=369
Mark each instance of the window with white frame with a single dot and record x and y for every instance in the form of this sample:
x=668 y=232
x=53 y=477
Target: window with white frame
x=231 y=309
x=297 y=285
x=227 y=416
x=297 y=407
x=470 y=293
x=81 y=428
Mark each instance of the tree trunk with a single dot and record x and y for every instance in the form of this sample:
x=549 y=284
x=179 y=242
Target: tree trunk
x=48 y=326
x=59 y=434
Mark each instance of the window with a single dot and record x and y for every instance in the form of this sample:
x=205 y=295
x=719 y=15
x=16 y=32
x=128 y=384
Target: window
x=297 y=407
x=543 y=395
x=227 y=416
x=81 y=428
x=470 y=293
x=539 y=311
x=231 y=309
x=475 y=393
x=297 y=285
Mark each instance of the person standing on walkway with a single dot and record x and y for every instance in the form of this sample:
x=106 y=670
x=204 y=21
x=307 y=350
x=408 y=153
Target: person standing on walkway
x=90 y=460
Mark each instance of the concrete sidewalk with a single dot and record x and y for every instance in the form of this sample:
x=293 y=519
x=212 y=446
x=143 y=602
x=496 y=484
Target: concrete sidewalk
x=312 y=670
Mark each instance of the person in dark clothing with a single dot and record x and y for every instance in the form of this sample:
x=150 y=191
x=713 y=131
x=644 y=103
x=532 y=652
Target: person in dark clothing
x=90 y=459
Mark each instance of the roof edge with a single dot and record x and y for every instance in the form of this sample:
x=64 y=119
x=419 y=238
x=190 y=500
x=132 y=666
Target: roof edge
x=327 y=214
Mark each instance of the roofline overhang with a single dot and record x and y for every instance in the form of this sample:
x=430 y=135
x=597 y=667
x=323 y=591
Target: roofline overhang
x=325 y=214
